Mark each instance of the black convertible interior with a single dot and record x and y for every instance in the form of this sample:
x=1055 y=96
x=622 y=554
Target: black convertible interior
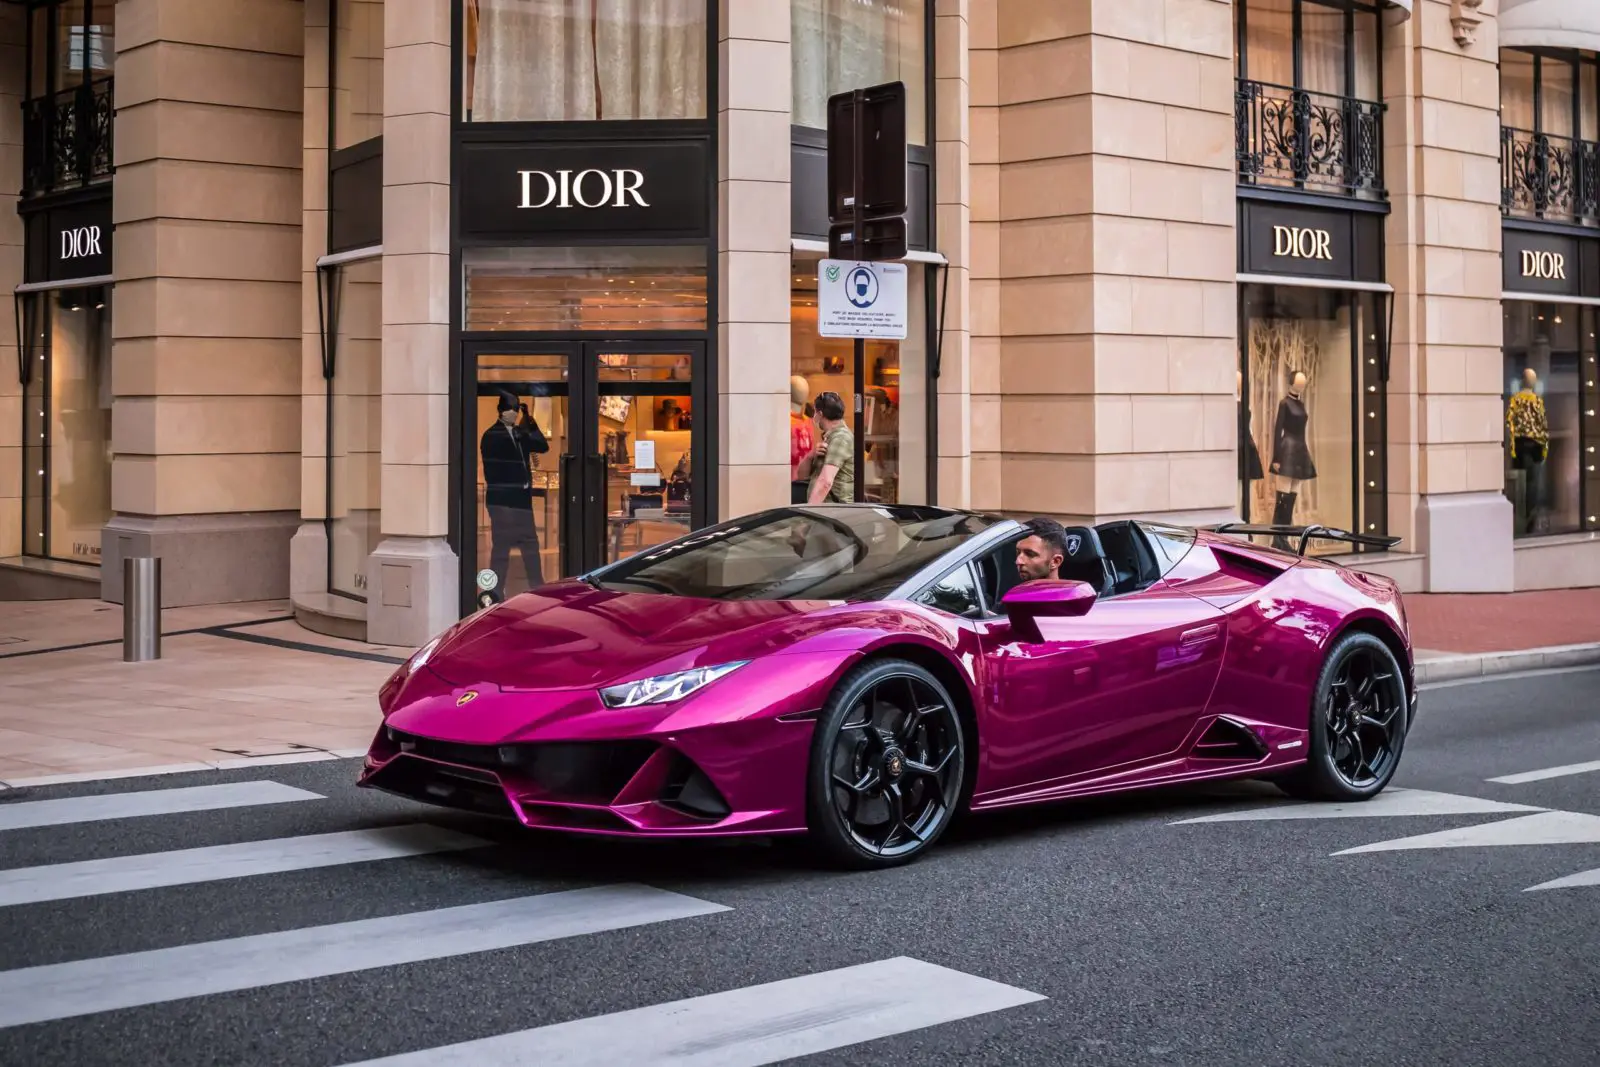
x=1114 y=557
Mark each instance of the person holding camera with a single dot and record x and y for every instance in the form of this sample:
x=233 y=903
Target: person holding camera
x=508 y=449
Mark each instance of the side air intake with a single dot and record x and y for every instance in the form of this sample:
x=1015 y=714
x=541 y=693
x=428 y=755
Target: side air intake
x=1225 y=739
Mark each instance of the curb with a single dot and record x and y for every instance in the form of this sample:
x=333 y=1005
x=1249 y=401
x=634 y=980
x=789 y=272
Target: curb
x=1487 y=664
x=75 y=777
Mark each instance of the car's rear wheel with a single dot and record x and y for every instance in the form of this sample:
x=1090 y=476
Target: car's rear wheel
x=887 y=763
x=1358 y=723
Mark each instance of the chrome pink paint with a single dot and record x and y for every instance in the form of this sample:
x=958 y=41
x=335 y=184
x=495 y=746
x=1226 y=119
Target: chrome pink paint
x=1113 y=699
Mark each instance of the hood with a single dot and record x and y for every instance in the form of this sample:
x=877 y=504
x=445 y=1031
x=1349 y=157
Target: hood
x=570 y=635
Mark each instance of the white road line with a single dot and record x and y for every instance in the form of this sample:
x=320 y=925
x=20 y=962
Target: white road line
x=120 y=874
x=31 y=813
x=1571 y=881
x=1545 y=828
x=109 y=983
x=1390 y=802
x=1548 y=772
x=746 y=1027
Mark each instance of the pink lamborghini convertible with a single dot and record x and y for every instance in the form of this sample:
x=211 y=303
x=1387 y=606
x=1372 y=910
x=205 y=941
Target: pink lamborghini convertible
x=864 y=673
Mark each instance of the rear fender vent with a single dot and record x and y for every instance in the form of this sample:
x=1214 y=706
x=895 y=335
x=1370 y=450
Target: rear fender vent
x=1225 y=739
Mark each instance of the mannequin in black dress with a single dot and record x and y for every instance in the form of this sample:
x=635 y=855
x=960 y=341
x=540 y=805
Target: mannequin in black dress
x=1291 y=457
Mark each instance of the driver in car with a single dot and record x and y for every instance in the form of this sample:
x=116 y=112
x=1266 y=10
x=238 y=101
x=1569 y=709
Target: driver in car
x=1041 y=553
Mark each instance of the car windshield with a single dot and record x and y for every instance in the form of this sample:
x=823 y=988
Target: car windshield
x=808 y=553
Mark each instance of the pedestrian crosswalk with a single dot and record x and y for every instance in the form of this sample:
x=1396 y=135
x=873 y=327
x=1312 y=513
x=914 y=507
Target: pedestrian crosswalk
x=811 y=1011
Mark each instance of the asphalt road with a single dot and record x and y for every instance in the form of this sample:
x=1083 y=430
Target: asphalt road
x=1089 y=933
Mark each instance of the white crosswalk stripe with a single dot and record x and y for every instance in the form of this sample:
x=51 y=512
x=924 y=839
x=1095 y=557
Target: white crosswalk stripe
x=749 y=1026
x=1544 y=828
x=63 y=881
x=1524 y=777
x=1571 y=881
x=82 y=987
x=27 y=814
x=1390 y=802
x=793 y=1017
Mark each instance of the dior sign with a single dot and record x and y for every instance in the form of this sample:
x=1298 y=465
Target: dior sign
x=1301 y=242
x=1553 y=264
x=80 y=241
x=70 y=242
x=588 y=188
x=1549 y=265
x=545 y=190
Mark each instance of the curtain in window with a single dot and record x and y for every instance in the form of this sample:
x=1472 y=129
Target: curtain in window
x=1269 y=49
x=840 y=45
x=1516 y=89
x=574 y=60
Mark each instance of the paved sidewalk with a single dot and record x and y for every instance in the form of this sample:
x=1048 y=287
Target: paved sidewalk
x=1468 y=635
x=249 y=686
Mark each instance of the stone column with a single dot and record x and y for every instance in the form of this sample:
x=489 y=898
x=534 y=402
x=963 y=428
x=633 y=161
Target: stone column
x=413 y=588
x=206 y=319
x=982 y=312
x=13 y=31
x=1116 y=259
x=308 y=551
x=1445 y=408
x=753 y=255
x=952 y=135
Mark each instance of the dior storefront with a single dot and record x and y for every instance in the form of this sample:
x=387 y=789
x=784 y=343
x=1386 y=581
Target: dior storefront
x=583 y=247
x=1313 y=367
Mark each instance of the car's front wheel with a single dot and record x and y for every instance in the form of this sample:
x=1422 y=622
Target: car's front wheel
x=887 y=763
x=1358 y=723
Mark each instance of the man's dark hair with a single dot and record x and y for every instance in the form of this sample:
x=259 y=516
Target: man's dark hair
x=830 y=406
x=1051 y=532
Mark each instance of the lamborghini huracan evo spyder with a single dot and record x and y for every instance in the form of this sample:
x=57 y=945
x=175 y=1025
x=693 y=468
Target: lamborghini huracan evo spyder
x=864 y=673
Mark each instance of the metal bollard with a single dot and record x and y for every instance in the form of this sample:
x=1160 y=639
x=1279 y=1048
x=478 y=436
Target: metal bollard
x=141 y=609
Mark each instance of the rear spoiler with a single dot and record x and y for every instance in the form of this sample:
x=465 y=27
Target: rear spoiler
x=1304 y=533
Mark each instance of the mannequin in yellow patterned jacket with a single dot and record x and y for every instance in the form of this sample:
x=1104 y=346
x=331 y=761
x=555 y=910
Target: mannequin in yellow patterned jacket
x=1525 y=421
x=1530 y=443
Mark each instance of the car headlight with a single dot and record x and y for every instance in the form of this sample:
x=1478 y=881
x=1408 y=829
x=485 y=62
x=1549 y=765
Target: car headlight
x=665 y=688
x=421 y=655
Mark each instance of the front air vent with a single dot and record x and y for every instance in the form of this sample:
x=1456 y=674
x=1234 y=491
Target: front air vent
x=688 y=790
x=1229 y=740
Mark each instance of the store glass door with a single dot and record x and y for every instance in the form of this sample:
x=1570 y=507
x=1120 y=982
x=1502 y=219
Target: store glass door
x=581 y=454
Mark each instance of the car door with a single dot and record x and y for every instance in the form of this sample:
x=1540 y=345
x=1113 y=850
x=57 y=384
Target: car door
x=1120 y=685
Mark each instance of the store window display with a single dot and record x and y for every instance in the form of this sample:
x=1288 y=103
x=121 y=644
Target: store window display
x=67 y=423
x=1546 y=349
x=1311 y=396
x=890 y=429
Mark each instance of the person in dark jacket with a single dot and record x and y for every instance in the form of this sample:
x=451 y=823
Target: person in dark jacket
x=508 y=449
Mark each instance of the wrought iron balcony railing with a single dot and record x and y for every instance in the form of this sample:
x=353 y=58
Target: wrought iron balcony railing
x=1552 y=178
x=1316 y=142
x=66 y=139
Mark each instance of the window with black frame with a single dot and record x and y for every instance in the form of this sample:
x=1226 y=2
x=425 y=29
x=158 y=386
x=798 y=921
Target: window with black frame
x=1551 y=429
x=1313 y=401
x=1308 y=100
x=68 y=105
x=1549 y=126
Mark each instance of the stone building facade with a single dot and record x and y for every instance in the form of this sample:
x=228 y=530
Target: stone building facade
x=296 y=281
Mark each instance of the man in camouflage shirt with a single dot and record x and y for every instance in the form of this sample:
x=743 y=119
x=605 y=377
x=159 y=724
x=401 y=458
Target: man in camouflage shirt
x=833 y=466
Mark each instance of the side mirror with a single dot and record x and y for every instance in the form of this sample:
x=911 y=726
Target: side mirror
x=1029 y=602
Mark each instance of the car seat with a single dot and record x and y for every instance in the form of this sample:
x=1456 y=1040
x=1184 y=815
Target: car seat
x=1086 y=560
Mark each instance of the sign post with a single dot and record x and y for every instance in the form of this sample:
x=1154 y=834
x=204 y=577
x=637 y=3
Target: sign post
x=859 y=295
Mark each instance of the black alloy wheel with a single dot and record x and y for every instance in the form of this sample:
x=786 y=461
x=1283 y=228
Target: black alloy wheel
x=887 y=766
x=1358 y=723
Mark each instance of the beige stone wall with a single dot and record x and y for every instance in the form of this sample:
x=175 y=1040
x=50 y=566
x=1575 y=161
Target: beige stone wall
x=1103 y=295
x=13 y=25
x=207 y=318
x=412 y=577
x=1445 y=412
x=313 y=245
x=953 y=221
x=753 y=255
x=358 y=99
